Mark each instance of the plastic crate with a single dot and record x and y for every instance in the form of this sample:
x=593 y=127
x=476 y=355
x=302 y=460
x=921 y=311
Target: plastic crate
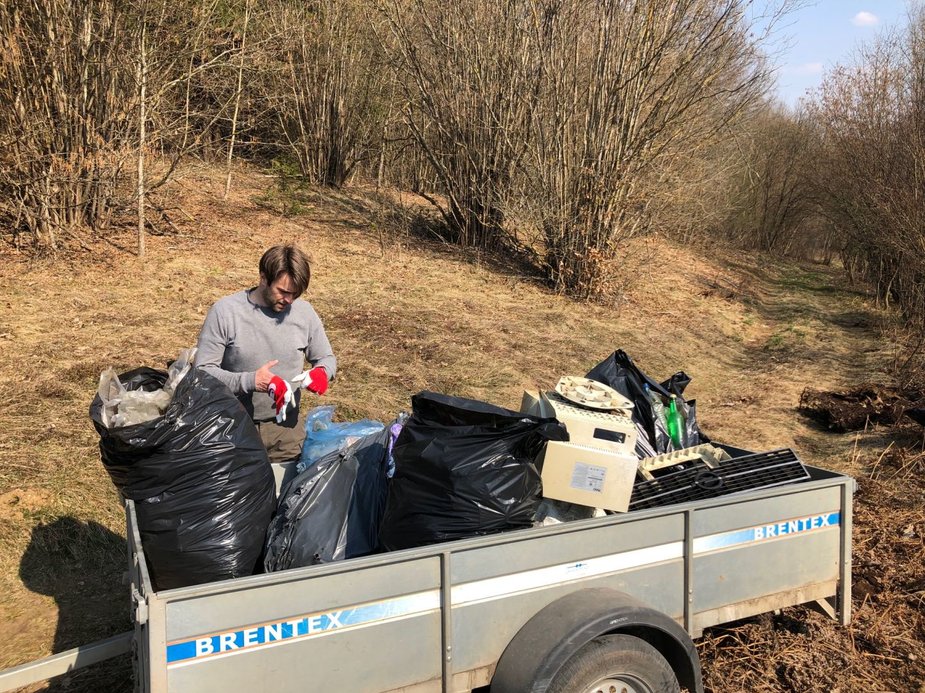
x=699 y=481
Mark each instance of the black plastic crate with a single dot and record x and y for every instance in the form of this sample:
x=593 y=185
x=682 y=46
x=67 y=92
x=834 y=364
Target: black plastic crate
x=698 y=481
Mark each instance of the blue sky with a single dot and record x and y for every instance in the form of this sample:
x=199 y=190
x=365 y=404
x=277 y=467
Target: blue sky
x=825 y=33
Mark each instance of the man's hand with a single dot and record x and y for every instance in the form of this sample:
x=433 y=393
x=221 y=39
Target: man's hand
x=281 y=393
x=315 y=380
x=263 y=376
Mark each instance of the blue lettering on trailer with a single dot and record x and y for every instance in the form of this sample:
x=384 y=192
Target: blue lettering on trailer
x=298 y=627
x=782 y=528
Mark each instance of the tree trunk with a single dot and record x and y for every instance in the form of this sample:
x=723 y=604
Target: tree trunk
x=237 y=98
x=142 y=85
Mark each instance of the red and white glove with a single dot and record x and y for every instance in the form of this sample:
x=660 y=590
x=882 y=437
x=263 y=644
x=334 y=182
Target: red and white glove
x=315 y=380
x=282 y=395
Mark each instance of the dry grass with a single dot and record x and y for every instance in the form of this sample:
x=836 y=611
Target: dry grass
x=403 y=314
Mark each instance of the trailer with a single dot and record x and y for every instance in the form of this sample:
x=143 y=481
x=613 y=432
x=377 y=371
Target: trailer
x=579 y=606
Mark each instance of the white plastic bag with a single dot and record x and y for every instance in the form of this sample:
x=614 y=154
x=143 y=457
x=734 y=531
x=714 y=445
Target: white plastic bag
x=123 y=407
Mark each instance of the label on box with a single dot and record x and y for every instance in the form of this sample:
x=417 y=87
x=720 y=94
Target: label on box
x=612 y=436
x=588 y=477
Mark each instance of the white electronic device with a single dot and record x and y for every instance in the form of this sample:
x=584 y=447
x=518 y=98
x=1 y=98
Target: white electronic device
x=591 y=394
x=588 y=476
x=607 y=430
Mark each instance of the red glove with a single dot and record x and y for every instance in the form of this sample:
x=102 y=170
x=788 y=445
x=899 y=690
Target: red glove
x=315 y=380
x=281 y=393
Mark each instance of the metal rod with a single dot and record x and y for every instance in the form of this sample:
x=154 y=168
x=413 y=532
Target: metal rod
x=844 y=595
x=689 y=570
x=64 y=662
x=446 y=612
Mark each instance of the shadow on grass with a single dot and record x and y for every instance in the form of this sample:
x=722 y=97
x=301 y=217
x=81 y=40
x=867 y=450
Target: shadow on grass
x=429 y=229
x=80 y=564
x=376 y=213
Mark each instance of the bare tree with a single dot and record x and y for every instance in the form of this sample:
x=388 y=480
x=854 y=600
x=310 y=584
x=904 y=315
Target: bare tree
x=871 y=165
x=85 y=89
x=775 y=202
x=634 y=88
x=322 y=85
x=575 y=116
x=470 y=75
x=237 y=97
x=142 y=127
x=64 y=120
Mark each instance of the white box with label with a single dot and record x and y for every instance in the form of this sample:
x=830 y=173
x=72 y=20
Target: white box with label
x=588 y=476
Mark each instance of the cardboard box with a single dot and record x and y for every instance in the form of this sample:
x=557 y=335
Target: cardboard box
x=599 y=429
x=588 y=476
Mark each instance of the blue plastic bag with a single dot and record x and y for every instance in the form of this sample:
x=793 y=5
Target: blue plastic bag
x=323 y=436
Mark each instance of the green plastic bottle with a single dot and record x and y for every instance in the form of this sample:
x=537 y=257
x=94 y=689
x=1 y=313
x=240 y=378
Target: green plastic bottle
x=675 y=423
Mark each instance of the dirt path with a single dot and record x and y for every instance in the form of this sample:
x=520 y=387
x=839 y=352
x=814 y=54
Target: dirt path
x=811 y=330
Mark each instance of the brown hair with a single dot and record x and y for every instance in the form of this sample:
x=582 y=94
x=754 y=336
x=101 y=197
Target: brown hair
x=286 y=259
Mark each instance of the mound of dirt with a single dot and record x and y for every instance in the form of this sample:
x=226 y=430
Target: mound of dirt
x=854 y=410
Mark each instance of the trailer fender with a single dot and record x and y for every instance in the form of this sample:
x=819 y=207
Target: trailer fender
x=559 y=630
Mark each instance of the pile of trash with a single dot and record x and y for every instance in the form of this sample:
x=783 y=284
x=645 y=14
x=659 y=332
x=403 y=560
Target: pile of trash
x=453 y=468
x=613 y=441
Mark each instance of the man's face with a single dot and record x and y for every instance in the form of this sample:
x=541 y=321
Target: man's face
x=279 y=293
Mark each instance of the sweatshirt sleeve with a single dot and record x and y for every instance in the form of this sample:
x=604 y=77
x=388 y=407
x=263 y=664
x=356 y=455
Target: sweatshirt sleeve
x=210 y=352
x=319 y=352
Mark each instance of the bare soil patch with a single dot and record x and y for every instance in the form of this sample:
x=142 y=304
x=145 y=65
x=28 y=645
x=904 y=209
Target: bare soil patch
x=18 y=502
x=857 y=408
x=406 y=314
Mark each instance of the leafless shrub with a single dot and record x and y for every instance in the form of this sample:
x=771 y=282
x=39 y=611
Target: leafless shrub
x=86 y=90
x=871 y=166
x=469 y=73
x=666 y=79
x=775 y=201
x=561 y=125
x=64 y=124
x=322 y=86
x=586 y=111
x=637 y=92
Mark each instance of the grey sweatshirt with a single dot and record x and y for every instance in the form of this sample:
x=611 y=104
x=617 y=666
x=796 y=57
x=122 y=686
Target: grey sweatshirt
x=238 y=337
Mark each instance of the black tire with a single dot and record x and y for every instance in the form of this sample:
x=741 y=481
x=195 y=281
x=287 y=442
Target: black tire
x=615 y=664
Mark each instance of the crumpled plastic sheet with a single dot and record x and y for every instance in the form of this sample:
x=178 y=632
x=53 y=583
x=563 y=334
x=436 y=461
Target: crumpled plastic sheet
x=125 y=407
x=323 y=436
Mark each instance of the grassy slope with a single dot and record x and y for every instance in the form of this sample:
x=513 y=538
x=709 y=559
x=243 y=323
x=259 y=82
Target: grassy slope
x=403 y=316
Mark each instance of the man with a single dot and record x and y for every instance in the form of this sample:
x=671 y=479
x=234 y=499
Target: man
x=257 y=342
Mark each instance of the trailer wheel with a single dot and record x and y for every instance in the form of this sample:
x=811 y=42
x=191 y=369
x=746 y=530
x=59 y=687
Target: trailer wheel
x=615 y=664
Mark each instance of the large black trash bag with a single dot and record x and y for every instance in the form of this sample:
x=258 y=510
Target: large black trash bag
x=619 y=372
x=332 y=510
x=463 y=468
x=200 y=478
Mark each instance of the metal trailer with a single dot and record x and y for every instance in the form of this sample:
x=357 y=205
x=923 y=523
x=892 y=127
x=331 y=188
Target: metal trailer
x=614 y=599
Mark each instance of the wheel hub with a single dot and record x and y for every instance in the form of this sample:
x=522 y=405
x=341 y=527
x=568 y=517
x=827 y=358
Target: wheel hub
x=617 y=685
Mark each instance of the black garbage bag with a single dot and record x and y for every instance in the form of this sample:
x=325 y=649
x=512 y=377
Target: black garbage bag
x=332 y=510
x=463 y=468
x=619 y=372
x=200 y=478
